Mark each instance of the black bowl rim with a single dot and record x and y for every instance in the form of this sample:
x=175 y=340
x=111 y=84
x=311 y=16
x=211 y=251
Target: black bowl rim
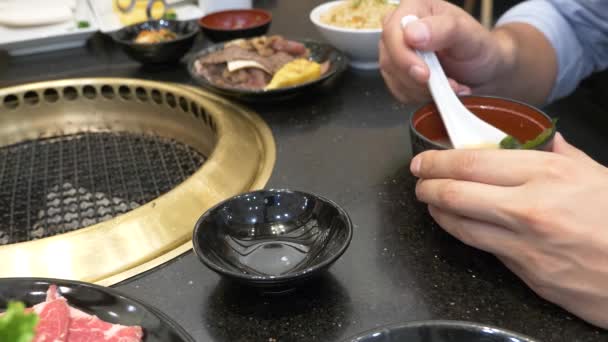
x=190 y=24
x=202 y=81
x=439 y=146
x=211 y=28
x=439 y=323
x=166 y=319
x=271 y=279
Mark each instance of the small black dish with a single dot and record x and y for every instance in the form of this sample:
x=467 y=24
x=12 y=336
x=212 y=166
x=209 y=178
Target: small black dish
x=105 y=303
x=319 y=52
x=272 y=239
x=165 y=52
x=237 y=23
x=439 y=331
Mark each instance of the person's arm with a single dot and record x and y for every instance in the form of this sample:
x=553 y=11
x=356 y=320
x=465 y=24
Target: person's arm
x=528 y=68
x=576 y=32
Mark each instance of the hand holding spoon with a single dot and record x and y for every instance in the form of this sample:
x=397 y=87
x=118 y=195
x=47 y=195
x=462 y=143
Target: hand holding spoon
x=464 y=128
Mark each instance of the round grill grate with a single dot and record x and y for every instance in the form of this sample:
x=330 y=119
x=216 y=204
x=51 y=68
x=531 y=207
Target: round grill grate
x=56 y=185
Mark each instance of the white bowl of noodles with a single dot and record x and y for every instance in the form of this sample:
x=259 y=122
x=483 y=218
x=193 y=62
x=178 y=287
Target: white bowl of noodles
x=353 y=26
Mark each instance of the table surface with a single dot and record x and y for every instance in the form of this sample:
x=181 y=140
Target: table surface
x=349 y=144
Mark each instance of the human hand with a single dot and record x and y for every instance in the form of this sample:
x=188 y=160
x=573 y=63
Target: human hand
x=471 y=55
x=543 y=214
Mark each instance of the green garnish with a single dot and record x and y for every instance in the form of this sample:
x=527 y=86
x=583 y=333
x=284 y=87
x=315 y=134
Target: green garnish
x=356 y=3
x=16 y=325
x=82 y=24
x=511 y=143
x=170 y=16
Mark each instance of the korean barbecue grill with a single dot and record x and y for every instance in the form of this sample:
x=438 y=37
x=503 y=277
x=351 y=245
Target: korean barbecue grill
x=101 y=179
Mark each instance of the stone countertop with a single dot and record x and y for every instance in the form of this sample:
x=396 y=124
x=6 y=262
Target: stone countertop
x=349 y=144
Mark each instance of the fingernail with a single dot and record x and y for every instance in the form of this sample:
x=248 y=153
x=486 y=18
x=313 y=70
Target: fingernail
x=415 y=165
x=464 y=91
x=418 y=33
x=417 y=72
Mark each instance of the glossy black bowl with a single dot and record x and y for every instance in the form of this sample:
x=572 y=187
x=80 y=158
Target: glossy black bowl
x=439 y=331
x=237 y=23
x=319 y=52
x=159 y=53
x=272 y=238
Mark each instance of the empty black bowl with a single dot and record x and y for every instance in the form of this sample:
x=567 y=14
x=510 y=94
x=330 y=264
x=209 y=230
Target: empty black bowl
x=157 y=53
x=236 y=23
x=272 y=238
x=439 y=331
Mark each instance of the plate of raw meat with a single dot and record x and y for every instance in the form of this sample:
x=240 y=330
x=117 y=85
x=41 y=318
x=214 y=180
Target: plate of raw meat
x=266 y=67
x=72 y=311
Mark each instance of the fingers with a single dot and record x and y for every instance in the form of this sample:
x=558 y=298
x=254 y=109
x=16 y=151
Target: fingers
x=496 y=167
x=407 y=90
x=401 y=56
x=485 y=236
x=477 y=201
x=405 y=72
x=462 y=35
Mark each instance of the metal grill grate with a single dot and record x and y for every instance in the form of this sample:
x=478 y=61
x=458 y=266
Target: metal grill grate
x=52 y=186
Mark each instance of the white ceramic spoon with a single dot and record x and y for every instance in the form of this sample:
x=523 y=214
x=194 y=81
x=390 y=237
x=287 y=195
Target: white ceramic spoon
x=464 y=128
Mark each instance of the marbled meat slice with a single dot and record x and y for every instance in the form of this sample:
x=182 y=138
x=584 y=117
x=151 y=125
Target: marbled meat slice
x=289 y=46
x=88 y=328
x=54 y=321
x=235 y=53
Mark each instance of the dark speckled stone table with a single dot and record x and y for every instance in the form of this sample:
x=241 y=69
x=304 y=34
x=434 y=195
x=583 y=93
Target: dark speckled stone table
x=350 y=144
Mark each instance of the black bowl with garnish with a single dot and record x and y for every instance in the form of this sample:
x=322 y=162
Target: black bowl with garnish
x=272 y=239
x=528 y=127
x=169 y=47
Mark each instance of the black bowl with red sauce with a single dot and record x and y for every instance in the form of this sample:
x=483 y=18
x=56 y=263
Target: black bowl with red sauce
x=232 y=24
x=520 y=120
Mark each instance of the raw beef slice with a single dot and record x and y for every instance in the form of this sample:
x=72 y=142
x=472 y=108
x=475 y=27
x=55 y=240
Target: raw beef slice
x=54 y=321
x=88 y=328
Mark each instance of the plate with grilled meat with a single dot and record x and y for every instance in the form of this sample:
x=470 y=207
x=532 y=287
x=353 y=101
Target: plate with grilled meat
x=266 y=67
x=40 y=309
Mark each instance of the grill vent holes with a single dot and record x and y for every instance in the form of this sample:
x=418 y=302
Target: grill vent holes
x=170 y=98
x=31 y=98
x=70 y=93
x=107 y=92
x=11 y=101
x=156 y=96
x=124 y=92
x=141 y=94
x=51 y=95
x=194 y=109
x=183 y=103
x=89 y=92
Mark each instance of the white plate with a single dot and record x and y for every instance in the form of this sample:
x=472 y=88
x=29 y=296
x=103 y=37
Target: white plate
x=108 y=21
x=28 y=40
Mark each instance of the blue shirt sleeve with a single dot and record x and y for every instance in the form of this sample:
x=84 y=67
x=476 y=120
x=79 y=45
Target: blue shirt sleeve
x=577 y=30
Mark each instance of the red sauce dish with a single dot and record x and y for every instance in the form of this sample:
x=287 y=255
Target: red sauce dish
x=522 y=121
x=233 y=24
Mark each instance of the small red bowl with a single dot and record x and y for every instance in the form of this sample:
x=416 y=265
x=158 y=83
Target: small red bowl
x=233 y=24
